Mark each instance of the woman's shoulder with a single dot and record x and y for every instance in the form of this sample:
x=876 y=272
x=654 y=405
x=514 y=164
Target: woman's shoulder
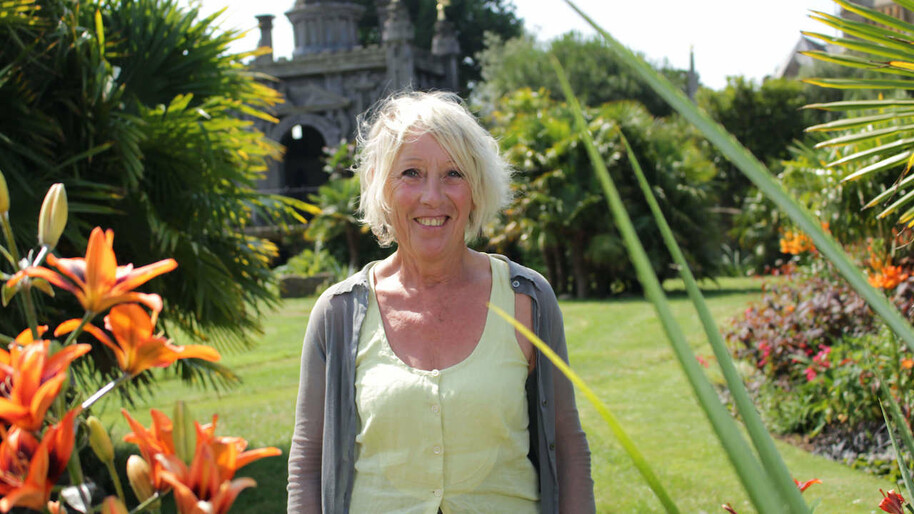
x=526 y=280
x=345 y=290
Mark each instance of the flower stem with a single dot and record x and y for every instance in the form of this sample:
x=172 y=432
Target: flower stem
x=107 y=388
x=30 y=314
x=8 y=233
x=86 y=318
x=146 y=503
x=41 y=255
x=117 y=481
x=75 y=469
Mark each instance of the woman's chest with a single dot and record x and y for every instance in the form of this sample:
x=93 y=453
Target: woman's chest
x=434 y=335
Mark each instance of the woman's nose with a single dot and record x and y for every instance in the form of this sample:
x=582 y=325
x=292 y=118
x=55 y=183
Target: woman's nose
x=431 y=191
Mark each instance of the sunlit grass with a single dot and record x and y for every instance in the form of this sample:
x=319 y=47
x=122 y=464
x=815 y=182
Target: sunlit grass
x=617 y=346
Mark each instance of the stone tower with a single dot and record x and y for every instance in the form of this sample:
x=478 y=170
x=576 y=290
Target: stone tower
x=332 y=78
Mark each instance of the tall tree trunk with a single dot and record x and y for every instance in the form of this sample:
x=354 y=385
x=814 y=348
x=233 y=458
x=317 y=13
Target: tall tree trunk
x=561 y=283
x=578 y=266
x=551 y=273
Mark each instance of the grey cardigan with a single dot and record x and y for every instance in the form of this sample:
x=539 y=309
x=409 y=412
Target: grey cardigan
x=322 y=456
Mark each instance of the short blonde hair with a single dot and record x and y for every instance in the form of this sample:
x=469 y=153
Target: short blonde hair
x=403 y=116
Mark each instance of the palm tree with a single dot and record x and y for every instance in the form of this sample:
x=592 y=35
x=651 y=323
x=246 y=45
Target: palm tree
x=140 y=110
x=875 y=135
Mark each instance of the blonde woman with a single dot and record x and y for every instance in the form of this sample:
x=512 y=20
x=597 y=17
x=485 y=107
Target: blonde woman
x=414 y=397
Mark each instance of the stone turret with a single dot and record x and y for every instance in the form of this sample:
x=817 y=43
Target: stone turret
x=397 y=35
x=265 y=23
x=321 y=25
x=446 y=47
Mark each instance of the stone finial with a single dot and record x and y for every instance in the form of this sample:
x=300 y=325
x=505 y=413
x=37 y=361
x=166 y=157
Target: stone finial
x=265 y=23
x=441 y=5
x=397 y=26
x=444 y=42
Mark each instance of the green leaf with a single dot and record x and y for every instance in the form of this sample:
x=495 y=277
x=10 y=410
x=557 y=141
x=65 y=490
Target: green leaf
x=854 y=105
x=878 y=166
x=839 y=83
x=7 y=293
x=771 y=459
x=627 y=444
x=764 y=496
x=864 y=136
x=900 y=143
x=862 y=121
x=890 y=191
x=899 y=457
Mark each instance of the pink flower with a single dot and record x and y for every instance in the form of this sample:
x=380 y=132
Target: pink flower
x=810 y=374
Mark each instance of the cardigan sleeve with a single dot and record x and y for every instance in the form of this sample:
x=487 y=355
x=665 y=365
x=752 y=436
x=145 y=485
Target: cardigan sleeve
x=572 y=452
x=305 y=454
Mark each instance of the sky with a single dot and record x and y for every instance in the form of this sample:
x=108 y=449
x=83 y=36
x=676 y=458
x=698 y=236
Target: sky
x=729 y=37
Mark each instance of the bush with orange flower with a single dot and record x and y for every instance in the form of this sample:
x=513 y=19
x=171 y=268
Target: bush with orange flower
x=818 y=355
x=43 y=413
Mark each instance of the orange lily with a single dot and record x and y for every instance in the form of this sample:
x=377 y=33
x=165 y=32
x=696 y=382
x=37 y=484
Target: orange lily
x=208 y=485
x=196 y=489
x=892 y=502
x=157 y=440
x=229 y=452
x=29 y=469
x=34 y=380
x=137 y=348
x=96 y=280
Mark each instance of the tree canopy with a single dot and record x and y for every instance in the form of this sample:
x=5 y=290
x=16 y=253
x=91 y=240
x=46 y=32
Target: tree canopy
x=595 y=73
x=135 y=106
x=560 y=219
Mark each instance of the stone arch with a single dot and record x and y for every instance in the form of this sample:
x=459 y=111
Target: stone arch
x=299 y=173
x=328 y=130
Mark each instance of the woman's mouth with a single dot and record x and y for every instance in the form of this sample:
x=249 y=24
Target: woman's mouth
x=432 y=222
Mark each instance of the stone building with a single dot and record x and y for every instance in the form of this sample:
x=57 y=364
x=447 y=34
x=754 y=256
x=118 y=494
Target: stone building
x=332 y=78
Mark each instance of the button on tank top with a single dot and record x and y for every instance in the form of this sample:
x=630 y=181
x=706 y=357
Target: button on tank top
x=453 y=440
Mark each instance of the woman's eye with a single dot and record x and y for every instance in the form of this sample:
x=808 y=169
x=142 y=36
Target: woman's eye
x=411 y=172
x=454 y=174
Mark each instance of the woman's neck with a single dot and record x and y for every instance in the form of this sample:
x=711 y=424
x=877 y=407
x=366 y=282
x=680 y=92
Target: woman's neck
x=419 y=274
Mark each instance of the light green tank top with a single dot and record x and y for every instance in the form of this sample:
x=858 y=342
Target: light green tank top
x=453 y=440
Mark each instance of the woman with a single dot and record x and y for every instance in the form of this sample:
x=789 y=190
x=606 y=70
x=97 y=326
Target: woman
x=414 y=397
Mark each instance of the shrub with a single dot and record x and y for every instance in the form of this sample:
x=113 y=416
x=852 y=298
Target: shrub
x=818 y=357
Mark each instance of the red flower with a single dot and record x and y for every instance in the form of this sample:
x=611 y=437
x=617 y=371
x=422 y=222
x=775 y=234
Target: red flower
x=892 y=502
x=29 y=469
x=803 y=486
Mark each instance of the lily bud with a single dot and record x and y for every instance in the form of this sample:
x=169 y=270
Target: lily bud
x=99 y=440
x=4 y=195
x=139 y=474
x=53 y=216
x=112 y=505
x=184 y=434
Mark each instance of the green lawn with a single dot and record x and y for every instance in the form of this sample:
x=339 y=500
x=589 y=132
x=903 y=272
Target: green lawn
x=619 y=349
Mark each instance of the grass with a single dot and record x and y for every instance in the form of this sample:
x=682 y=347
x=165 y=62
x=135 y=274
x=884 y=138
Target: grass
x=619 y=349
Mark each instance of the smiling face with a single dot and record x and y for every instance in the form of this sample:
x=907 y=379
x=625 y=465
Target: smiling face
x=430 y=200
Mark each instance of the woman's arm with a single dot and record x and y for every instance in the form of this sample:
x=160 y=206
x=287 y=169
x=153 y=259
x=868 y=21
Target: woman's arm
x=307 y=437
x=572 y=452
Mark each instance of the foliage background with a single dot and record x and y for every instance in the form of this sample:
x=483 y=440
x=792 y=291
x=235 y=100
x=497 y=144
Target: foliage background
x=137 y=107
